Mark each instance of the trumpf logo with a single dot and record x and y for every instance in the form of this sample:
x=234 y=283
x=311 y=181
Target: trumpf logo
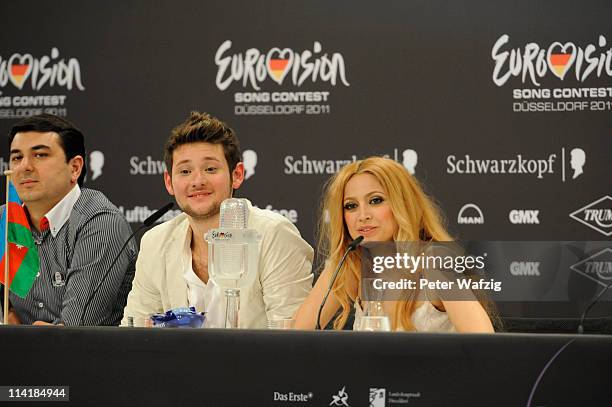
x=597 y=267
x=524 y=217
x=470 y=214
x=596 y=215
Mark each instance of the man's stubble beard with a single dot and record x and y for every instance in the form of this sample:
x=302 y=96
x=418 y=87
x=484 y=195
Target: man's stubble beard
x=212 y=212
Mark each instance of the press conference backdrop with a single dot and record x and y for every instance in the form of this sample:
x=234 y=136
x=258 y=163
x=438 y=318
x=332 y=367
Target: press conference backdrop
x=502 y=109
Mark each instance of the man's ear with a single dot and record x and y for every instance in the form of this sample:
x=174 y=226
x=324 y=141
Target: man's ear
x=168 y=183
x=238 y=176
x=76 y=166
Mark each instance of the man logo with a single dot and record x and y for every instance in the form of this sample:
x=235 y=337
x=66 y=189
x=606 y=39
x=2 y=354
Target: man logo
x=410 y=160
x=577 y=161
x=597 y=267
x=377 y=397
x=470 y=214
x=96 y=162
x=524 y=217
x=525 y=268
x=596 y=215
x=249 y=158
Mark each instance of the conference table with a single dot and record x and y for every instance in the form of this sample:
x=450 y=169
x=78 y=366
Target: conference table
x=110 y=366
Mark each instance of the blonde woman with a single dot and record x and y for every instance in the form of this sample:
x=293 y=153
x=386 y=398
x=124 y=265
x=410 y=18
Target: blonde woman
x=378 y=199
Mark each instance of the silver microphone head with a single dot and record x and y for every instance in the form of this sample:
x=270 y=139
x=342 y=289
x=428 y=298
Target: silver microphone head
x=234 y=214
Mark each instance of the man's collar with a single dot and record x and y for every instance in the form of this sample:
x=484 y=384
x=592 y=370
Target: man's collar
x=59 y=214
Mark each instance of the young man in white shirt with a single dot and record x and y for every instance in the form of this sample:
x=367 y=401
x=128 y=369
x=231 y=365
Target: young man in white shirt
x=203 y=168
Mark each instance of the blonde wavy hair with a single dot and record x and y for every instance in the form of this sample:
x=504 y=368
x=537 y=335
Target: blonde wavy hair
x=417 y=216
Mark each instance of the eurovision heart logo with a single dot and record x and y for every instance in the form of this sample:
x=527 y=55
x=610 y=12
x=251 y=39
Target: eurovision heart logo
x=20 y=67
x=278 y=63
x=560 y=58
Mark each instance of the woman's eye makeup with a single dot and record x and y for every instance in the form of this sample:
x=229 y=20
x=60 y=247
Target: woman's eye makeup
x=350 y=205
x=376 y=200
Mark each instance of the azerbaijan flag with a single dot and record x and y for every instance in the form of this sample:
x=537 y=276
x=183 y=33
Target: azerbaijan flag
x=23 y=253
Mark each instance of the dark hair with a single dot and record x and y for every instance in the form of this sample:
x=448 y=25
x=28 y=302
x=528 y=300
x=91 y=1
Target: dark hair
x=203 y=127
x=71 y=138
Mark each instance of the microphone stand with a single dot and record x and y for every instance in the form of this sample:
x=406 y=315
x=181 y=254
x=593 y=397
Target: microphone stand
x=147 y=222
x=352 y=246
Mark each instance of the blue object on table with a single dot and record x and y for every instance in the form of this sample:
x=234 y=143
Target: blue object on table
x=179 y=318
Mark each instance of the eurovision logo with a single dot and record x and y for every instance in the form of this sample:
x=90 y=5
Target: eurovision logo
x=597 y=215
x=49 y=70
x=255 y=66
x=533 y=61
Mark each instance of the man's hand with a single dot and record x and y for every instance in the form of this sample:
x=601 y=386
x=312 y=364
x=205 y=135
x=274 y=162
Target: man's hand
x=13 y=319
x=39 y=323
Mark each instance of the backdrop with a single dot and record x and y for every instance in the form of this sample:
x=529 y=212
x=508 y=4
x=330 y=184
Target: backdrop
x=502 y=109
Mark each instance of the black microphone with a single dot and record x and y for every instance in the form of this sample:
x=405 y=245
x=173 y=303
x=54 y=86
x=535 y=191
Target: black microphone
x=587 y=309
x=352 y=246
x=147 y=222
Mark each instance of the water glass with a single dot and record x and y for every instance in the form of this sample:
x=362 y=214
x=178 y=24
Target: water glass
x=375 y=324
x=281 y=323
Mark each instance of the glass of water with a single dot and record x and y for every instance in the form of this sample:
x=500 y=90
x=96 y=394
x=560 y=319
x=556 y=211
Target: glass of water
x=281 y=323
x=374 y=318
x=375 y=324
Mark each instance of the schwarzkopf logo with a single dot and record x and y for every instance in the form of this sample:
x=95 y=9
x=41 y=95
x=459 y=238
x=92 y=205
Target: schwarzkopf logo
x=598 y=267
x=596 y=215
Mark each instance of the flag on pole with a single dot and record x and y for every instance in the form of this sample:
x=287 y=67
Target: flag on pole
x=23 y=253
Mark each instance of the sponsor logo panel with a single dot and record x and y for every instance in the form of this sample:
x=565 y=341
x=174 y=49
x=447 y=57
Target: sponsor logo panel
x=138 y=214
x=597 y=267
x=95 y=165
x=305 y=165
x=341 y=398
x=292 y=397
x=470 y=214
x=569 y=164
x=381 y=397
x=525 y=268
x=597 y=215
x=524 y=217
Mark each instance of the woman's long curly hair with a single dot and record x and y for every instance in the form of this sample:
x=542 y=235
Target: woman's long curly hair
x=417 y=216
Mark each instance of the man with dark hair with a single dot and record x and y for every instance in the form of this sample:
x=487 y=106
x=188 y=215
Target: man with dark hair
x=78 y=231
x=203 y=168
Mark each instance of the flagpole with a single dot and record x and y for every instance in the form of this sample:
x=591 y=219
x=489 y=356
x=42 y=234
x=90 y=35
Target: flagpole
x=6 y=250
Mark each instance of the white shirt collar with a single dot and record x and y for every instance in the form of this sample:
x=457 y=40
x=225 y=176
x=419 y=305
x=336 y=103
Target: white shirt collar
x=60 y=213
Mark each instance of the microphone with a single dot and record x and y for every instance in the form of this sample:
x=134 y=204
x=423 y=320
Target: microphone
x=352 y=246
x=587 y=309
x=146 y=223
